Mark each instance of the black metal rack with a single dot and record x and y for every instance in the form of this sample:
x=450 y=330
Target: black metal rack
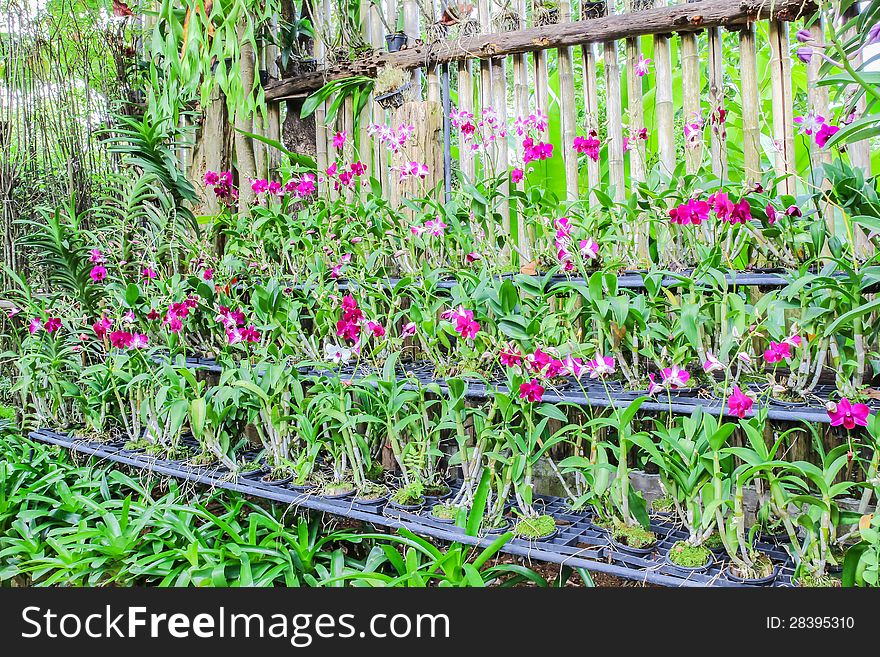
x=577 y=542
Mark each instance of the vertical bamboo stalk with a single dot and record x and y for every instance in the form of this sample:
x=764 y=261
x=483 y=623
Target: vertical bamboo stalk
x=716 y=103
x=366 y=113
x=636 y=109
x=377 y=41
x=860 y=151
x=466 y=104
x=499 y=93
x=664 y=110
x=322 y=156
x=567 y=108
x=748 y=66
x=591 y=109
x=817 y=96
x=781 y=100
x=690 y=86
x=614 y=117
x=411 y=28
x=521 y=109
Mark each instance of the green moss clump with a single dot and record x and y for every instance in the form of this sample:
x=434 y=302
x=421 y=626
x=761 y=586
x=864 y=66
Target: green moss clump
x=410 y=495
x=338 y=488
x=689 y=556
x=663 y=504
x=445 y=511
x=138 y=444
x=375 y=472
x=714 y=541
x=371 y=492
x=536 y=527
x=634 y=537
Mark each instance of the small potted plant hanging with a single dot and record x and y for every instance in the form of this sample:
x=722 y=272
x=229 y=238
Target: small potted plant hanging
x=591 y=10
x=457 y=12
x=391 y=87
x=507 y=20
x=546 y=12
x=395 y=42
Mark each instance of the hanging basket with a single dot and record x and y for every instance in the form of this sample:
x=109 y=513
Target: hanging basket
x=507 y=21
x=470 y=27
x=641 y=5
x=394 y=99
x=590 y=10
x=546 y=15
x=436 y=32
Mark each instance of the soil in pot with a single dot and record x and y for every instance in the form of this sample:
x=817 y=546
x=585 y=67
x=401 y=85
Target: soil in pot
x=690 y=557
x=337 y=490
x=541 y=527
x=437 y=491
x=371 y=495
x=762 y=570
x=635 y=538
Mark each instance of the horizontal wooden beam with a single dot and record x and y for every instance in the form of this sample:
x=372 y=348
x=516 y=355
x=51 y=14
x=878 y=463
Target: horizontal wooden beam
x=690 y=17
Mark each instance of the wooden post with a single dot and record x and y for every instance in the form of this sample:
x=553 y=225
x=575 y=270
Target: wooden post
x=748 y=68
x=636 y=110
x=366 y=114
x=690 y=86
x=567 y=108
x=716 y=103
x=783 y=121
x=664 y=110
x=423 y=146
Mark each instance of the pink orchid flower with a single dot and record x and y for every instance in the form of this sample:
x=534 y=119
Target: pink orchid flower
x=600 y=367
x=531 y=391
x=538 y=360
x=516 y=175
x=35 y=325
x=52 y=324
x=653 y=386
x=777 y=352
x=408 y=329
x=712 y=364
x=96 y=257
x=739 y=403
x=674 y=377
x=98 y=273
x=572 y=366
x=589 y=249
x=642 y=66
x=847 y=414
x=339 y=139
x=510 y=356
x=149 y=273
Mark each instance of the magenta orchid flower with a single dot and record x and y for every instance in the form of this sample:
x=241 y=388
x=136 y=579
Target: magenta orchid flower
x=712 y=364
x=589 y=249
x=408 y=329
x=849 y=415
x=52 y=324
x=653 y=386
x=35 y=325
x=674 y=377
x=339 y=139
x=642 y=66
x=825 y=133
x=538 y=360
x=777 y=351
x=149 y=274
x=96 y=257
x=376 y=329
x=572 y=366
x=531 y=391
x=121 y=339
x=98 y=273
x=516 y=175
x=588 y=145
x=208 y=274
x=739 y=403
x=510 y=355
x=600 y=367
x=259 y=186
x=693 y=211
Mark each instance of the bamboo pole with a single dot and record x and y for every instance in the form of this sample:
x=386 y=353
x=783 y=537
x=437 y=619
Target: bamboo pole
x=499 y=93
x=614 y=118
x=591 y=110
x=322 y=155
x=716 y=104
x=748 y=65
x=411 y=28
x=366 y=114
x=521 y=109
x=690 y=90
x=664 y=109
x=636 y=110
x=781 y=101
x=860 y=151
x=466 y=104
x=567 y=109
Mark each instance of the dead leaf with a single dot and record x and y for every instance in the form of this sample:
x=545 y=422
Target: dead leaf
x=530 y=268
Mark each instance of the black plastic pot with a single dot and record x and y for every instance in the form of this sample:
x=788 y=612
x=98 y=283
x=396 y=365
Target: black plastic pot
x=395 y=42
x=302 y=488
x=505 y=526
x=538 y=539
x=338 y=496
x=436 y=519
x=393 y=99
x=686 y=571
x=392 y=505
x=253 y=474
x=639 y=552
x=759 y=581
x=276 y=482
x=369 y=505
